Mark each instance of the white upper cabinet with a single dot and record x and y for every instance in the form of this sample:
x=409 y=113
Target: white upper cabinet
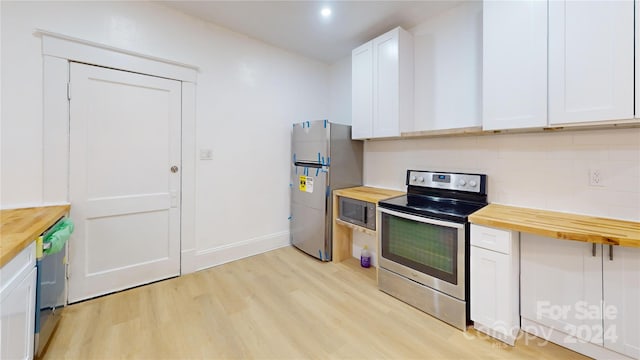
x=382 y=86
x=448 y=70
x=514 y=68
x=362 y=91
x=556 y=63
x=591 y=65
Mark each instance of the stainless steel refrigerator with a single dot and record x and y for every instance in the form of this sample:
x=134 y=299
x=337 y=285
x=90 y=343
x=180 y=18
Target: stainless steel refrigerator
x=323 y=158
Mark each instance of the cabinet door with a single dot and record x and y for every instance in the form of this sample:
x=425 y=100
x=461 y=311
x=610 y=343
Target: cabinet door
x=448 y=69
x=491 y=288
x=559 y=280
x=590 y=61
x=362 y=91
x=386 y=85
x=621 y=299
x=17 y=314
x=514 y=64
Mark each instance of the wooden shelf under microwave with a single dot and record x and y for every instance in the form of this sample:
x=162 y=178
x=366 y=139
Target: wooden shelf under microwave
x=356 y=227
x=342 y=237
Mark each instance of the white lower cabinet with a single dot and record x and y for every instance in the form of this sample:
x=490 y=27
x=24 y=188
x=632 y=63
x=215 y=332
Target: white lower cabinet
x=495 y=282
x=558 y=277
x=17 y=306
x=621 y=287
x=573 y=295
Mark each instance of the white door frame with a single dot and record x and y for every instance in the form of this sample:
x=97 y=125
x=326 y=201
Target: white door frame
x=57 y=51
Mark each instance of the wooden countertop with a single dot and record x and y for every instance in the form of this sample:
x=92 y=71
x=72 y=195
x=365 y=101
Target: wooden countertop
x=19 y=227
x=560 y=225
x=366 y=193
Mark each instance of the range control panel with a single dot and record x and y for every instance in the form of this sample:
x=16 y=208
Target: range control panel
x=449 y=181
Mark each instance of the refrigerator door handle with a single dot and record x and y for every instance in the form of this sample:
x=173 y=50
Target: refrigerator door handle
x=308 y=164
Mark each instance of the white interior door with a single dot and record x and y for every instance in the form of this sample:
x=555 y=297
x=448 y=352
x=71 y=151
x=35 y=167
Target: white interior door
x=125 y=199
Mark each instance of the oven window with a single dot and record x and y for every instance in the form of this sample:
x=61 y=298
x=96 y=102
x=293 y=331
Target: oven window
x=427 y=248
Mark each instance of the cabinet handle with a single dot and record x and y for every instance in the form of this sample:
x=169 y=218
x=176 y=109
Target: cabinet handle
x=593 y=249
x=610 y=252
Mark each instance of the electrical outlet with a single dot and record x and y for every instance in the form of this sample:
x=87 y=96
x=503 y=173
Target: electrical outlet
x=206 y=154
x=596 y=177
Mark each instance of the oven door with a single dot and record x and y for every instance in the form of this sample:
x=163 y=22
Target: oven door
x=428 y=251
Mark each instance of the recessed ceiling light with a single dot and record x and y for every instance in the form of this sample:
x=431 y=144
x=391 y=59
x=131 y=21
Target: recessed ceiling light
x=325 y=12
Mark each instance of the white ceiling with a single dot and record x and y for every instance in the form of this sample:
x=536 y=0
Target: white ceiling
x=297 y=26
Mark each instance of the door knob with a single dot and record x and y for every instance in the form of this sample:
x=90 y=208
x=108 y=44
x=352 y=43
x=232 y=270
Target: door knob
x=174 y=169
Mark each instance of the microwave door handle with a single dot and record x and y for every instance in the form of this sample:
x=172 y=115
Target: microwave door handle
x=364 y=218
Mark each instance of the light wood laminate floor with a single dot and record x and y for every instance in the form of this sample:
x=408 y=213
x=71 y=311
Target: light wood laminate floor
x=279 y=305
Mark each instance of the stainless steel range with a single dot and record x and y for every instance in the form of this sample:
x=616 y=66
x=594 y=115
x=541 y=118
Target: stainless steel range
x=424 y=242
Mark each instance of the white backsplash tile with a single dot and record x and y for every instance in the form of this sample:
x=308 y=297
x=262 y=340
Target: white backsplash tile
x=624 y=152
x=591 y=152
x=622 y=212
x=539 y=170
x=604 y=137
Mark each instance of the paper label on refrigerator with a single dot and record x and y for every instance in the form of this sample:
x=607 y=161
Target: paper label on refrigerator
x=306 y=184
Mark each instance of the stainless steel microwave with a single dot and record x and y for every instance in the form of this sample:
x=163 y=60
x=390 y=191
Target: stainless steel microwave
x=357 y=212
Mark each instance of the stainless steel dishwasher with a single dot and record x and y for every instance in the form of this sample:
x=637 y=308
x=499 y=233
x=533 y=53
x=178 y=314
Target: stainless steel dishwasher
x=50 y=294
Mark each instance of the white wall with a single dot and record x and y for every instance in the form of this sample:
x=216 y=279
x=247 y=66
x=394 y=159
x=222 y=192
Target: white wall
x=340 y=91
x=248 y=95
x=537 y=170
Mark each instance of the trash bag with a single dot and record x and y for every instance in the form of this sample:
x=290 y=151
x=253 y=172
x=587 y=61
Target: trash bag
x=58 y=236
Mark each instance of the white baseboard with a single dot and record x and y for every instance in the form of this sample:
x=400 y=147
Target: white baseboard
x=239 y=250
x=501 y=333
x=558 y=337
x=188 y=262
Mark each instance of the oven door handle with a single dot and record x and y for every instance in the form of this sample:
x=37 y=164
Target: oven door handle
x=421 y=219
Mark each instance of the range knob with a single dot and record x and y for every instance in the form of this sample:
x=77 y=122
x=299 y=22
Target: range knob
x=472 y=183
x=414 y=178
x=421 y=179
x=462 y=182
